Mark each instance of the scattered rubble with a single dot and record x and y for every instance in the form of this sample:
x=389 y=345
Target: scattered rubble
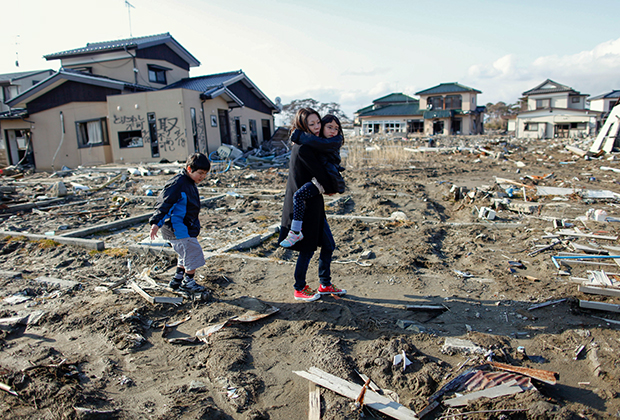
x=482 y=278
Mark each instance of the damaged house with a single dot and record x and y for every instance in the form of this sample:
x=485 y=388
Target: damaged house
x=445 y=109
x=13 y=136
x=554 y=110
x=132 y=100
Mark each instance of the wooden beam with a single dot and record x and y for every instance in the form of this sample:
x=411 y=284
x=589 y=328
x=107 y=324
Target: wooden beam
x=352 y=391
x=599 y=290
x=118 y=224
x=83 y=243
x=599 y=306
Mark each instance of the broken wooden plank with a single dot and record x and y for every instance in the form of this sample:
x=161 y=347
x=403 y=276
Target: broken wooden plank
x=609 y=307
x=545 y=376
x=605 y=291
x=352 y=391
x=568 y=232
x=314 y=402
x=509 y=388
x=82 y=243
x=542 y=305
x=141 y=292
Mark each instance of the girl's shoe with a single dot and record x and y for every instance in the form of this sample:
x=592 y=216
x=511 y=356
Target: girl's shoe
x=306 y=294
x=330 y=290
x=291 y=239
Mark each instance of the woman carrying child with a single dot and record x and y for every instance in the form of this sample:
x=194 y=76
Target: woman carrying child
x=308 y=166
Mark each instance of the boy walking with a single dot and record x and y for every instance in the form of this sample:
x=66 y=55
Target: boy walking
x=176 y=213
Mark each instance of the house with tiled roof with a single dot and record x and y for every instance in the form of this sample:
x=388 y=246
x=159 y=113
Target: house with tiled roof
x=451 y=108
x=604 y=102
x=393 y=113
x=132 y=100
x=554 y=110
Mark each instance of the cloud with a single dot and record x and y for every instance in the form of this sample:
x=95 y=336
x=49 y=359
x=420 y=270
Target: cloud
x=591 y=72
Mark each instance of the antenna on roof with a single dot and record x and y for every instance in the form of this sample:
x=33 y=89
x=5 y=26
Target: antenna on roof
x=129 y=6
x=16 y=51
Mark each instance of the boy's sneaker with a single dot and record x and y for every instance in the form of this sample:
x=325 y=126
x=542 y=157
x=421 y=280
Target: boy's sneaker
x=306 y=294
x=330 y=290
x=174 y=284
x=189 y=285
x=291 y=239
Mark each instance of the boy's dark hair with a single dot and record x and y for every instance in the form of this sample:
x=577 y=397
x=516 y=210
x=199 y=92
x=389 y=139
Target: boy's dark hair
x=198 y=161
x=300 y=122
x=331 y=118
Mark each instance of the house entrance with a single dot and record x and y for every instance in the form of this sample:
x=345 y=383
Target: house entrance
x=224 y=126
x=561 y=130
x=266 y=129
x=437 y=127
x=18 y=146
x=253 y=134
x=456 y=126
x=238 y=133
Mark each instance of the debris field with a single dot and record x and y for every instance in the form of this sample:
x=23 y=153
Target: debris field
x=483 y=283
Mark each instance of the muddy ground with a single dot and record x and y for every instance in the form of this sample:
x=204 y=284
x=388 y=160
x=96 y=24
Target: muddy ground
x=97 y=349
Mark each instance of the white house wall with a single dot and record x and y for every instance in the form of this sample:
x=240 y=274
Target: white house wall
x=48 y=138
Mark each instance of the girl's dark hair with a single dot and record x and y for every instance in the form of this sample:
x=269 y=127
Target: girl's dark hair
x=300 y=122
x=198 y=161
x=331 y=118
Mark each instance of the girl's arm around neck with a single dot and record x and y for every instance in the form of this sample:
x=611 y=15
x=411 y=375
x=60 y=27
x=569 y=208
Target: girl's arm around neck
x=321 y=144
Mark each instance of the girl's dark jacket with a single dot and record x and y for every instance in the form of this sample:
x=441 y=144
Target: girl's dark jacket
x=177 y=208
x=329 y=155
x=304 y=165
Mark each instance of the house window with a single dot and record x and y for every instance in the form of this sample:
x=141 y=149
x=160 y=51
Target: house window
x=435 y=102
x=415 y=126
x=578 y=126
x=130 y=139
x=453 y=102
x=157 y=74
x=575 y=99
x=543 y=103
x=531 y=126
x=391 y=127
x=92 y=133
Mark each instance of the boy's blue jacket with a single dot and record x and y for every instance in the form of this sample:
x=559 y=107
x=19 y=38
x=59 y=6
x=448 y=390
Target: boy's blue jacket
x=177 y=208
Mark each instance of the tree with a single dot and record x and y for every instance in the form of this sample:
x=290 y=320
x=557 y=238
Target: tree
x=496 y=114
x=289 y=110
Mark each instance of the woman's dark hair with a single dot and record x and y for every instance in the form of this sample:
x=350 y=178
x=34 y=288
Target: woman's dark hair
x=300 y=122
x=331 y=118
x=198 y=161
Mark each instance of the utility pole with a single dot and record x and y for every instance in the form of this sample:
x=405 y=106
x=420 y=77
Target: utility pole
x=129 y=6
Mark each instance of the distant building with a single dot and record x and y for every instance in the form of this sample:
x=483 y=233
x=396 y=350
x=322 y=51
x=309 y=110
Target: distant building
x=555 y=111
x=393 y=113
x=451 y=108
x=132 y=100
x=448 y=108
x=604 y=102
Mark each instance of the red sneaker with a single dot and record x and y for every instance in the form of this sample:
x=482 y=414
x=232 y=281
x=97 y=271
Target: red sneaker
x=306 y=294
x=331 y=290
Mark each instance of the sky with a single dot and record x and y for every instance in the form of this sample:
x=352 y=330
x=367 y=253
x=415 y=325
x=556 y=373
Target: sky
x=345 y=51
